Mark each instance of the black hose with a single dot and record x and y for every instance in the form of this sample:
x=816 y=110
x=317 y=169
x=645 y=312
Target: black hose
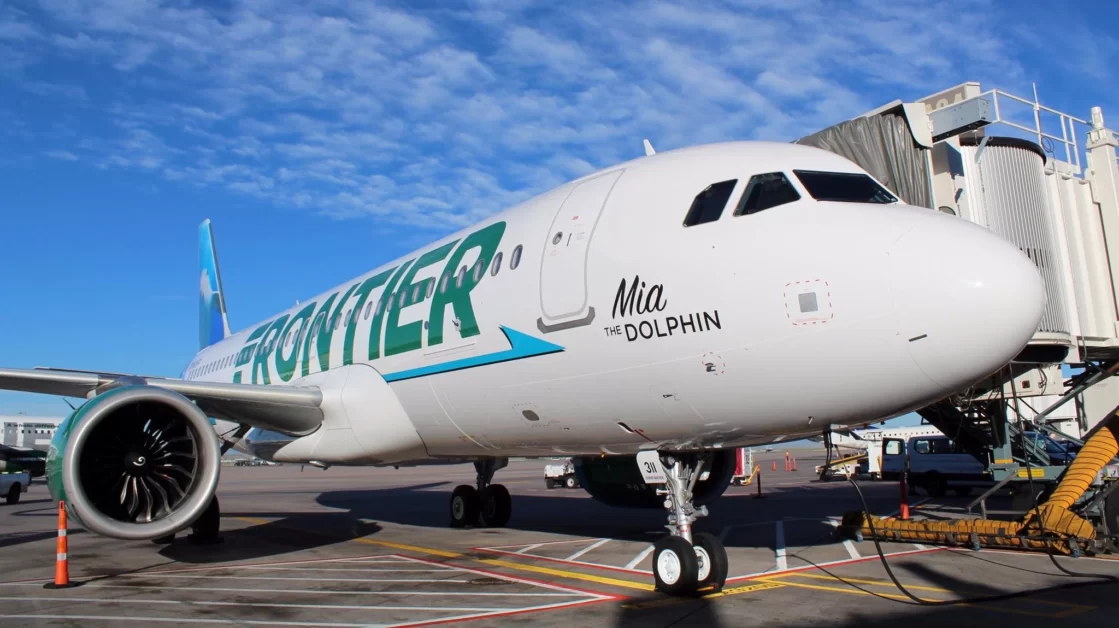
x=987 y=598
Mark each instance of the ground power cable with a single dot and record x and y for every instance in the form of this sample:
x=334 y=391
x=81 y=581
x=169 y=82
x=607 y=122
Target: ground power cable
x=973 y=600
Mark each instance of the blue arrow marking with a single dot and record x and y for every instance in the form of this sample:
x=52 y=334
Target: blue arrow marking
x=520 y=346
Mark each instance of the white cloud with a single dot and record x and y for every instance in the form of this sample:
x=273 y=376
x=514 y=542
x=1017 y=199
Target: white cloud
x=437 y=117
x=64 y=155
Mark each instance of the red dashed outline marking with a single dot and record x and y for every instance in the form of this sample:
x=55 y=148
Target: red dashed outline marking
x=789 y=316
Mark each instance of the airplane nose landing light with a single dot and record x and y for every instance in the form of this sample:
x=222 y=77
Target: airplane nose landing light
x=967 y=300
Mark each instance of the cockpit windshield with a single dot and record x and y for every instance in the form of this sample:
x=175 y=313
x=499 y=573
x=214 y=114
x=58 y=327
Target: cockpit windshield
x=844 y=187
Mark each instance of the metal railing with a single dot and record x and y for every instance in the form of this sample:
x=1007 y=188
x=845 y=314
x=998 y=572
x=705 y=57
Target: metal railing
x=1045 y=139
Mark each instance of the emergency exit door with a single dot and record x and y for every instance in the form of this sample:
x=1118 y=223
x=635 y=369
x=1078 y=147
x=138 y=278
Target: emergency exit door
x=563 y=271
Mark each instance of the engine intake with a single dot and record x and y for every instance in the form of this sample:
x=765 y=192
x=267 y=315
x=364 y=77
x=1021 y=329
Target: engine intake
x=137 y=462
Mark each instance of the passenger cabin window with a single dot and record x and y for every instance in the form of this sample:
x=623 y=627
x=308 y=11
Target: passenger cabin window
x=765 y=191
x=495 y=267
x=515 y=260
x=708 y=205
x=844 y=187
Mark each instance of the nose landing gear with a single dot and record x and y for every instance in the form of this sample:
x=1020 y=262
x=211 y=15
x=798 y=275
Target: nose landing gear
x=683 y=562
x=487 y=504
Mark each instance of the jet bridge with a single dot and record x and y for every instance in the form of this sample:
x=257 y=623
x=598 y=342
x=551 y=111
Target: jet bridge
x=1048 y=182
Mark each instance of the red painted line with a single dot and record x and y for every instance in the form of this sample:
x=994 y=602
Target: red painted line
x=519 y=611
x=837 y=563
x=569 y=562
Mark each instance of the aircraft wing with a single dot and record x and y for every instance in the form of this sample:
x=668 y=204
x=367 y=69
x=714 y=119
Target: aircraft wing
x=288 y=409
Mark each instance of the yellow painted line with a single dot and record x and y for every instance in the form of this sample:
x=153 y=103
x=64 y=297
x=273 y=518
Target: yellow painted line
x=887 y=583
x=254 y=520
x=816 y=587
x=668 y=601
x=563 y=573
x=879 y=583
x=410 y=548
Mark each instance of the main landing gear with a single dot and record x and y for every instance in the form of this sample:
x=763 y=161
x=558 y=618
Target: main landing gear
x=685 y=562
x=487 y=504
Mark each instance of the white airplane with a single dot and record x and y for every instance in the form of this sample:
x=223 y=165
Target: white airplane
x=28 y=432
x=857 y=439
x=668 y=309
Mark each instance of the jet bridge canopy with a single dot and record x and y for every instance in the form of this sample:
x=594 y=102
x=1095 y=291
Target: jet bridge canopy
x=884 y=145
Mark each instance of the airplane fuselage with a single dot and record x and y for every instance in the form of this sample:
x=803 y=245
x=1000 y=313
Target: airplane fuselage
x=591 y=320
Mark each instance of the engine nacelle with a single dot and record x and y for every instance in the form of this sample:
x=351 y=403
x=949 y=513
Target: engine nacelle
x=136 y=462
x=617 y=481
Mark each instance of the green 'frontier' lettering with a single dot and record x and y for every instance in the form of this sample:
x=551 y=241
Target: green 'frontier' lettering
x=362 y=294
x=268 y=344
x=326 y=330
x=487 y=240
x=387 y=298
x=403 y=338
x=246 y=355
x=297 y=325
x=312 y=332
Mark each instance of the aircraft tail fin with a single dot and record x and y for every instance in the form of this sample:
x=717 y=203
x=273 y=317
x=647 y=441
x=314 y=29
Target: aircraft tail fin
x=213 y=323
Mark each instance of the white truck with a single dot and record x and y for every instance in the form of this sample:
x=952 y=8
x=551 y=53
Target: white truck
x=13 y=484
x=560 y=475
x=936 y=464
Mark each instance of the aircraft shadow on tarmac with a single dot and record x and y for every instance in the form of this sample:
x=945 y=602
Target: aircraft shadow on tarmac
x=359 y=513
x=1025 y=606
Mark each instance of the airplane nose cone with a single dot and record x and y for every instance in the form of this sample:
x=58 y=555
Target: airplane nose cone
x=967 y=300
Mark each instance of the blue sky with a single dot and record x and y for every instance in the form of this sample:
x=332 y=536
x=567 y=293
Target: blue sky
x=325 y=138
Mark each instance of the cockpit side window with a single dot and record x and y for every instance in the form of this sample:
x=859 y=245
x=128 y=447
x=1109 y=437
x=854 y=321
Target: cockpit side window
x=845 y=187
x=708 y=204
x=765 y=191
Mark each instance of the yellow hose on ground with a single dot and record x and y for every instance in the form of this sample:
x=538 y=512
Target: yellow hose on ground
x=1053 y=517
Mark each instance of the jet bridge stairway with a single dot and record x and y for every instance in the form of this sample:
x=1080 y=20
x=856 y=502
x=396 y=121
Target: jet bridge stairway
x=1081 y=514
x=983 y=428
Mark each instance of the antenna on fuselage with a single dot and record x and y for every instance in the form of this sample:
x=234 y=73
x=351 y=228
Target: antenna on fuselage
x=649 y=148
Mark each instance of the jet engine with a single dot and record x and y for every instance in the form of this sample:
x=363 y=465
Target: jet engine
x=136 y=462
x=617 y=481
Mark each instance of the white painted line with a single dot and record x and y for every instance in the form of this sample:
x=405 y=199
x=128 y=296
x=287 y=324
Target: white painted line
x=564 y=561
x=919 y=546
x=782 y=564
x=640 y=557
x=503 y=613
x=847 y=544
x=367 y=607
x=316 y=591
x=527 y=548
x=181 y=620
x=590 y=547
x=301 y=579
x=351 y=569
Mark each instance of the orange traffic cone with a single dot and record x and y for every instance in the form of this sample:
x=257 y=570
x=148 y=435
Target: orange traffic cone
x=794 y=464
x=903 y=511
x=61 y=563
x=774 y=465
